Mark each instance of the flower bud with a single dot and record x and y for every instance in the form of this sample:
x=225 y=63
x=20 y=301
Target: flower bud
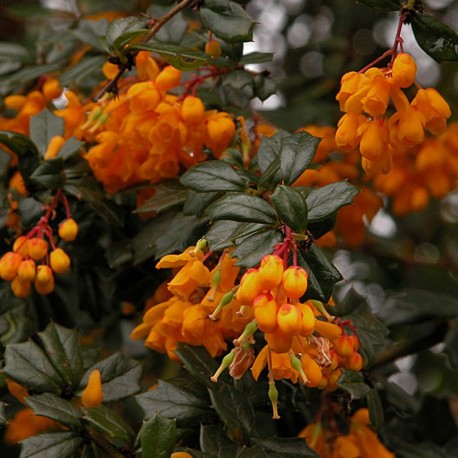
x=192 y=110
x=249 y=288
x=9 y=265
x=308 y=320
x=265 y=312
x=344 y=346
x=44 y=280
x=213 y=48
x=92 y=395
x=38 y=248
x=294 y=282
x=328 y=330
x=59 y=260
x=27 y=270
x=404 y=70
x=278 y=341
x=312 y=370
x=354 y=362
x=21 y=246
x=168 y=78
x=271 y=271
x=21 y=288
x=289 y=319
x=68 y=230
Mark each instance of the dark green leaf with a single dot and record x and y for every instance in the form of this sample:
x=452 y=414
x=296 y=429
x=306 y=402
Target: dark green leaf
x=222 y=234
x=249 y=452
x=256 y=58
x=49 y=174
x=181 y=58
x=166 y=195
x=414 y=306
x=282 y=447
x=197 y=202
x=47 y=445
x=198 y=363
x=173 y=402
x=234 y=409
x=3 y=418
x=125 y=38
x=82 y=72
x=158 y=437
x=14 y=52
x=353 y=383
x=120 y=377
x=435 y=38
x=90 y=32
x=374 y=404
x=27 y=153
x=213 y=176
x=291 y=207
x=451 y=346
x=173 y=30
x=71 y=147
x=323 y=275
x=251 y=249
x=120 y=26
x=63 y=348
x=27 y=364
x=325 y=201
x=242 y=207
x=422 y=450
x=400 y=399
x=382 y=5
x=108 y=423
x=214 y=441
x=227 y=20
x=43 y=127
x=264 y=87
x=51 y=406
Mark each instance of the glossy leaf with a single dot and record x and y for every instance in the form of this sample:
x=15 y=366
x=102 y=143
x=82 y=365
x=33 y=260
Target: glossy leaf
x=27 y=364
x=214 y=441
x=197 y=202
x=45 y=445
x=227 y=20
x=158 y=437
x=173 y=402
x=120 y=377
x=49 y=174
x=282 y=447
x=63 y=348
x=51 y=406
x=382 y=5
x=374 y=404
x=166 y=195
x=43 y=127
x=109 y=424
x=213 y=176
x=242 y=207
x=353 y=383
x=324 y=202
x=291 y=207
x=435 y=38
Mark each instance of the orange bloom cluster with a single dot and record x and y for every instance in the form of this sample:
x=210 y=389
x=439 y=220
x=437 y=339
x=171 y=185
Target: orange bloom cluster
x=207 y=306
x=365 y=98
x=360 y=442
x=428 y=171
x=186 y=315
x=31 y=263
x=148 y=134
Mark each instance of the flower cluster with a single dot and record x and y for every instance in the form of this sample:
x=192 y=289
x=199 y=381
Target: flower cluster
x=365 y=98
x=209 y=306
x=328 y=441
x=149 y=134
x=31 y=262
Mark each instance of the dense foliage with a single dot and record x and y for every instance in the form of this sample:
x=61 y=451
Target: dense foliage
x=229 y=230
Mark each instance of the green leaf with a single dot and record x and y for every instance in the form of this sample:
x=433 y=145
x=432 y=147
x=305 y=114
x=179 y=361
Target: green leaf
x=198 y=363
x=178 y=56
x=51 y=406
x=251 y=249
x=323 y=202
x=234 y=409
x=43 y=127
x=421 y=450
x=323 y=275
x=282 y=447
x=14 y=52
x=249 y=452
x=118 y=27
x=173 y=30
x=353 y=383
x=3 y=418
x=90 y=32
x=71 y=147
x=120 y=377
x=197 y=202
x=213 y=176
x=256 y=57
x=451 y=346
x=166 y=195
x=173 y=402
x=242 y=207
x=158 y=437
x=214 y=441
x=227 y=20
x=291 y=207
x=382 y=5
x=27 y=364
x=63 y=348
x=374 y=404
x=109 y=424
x=82 y=73
x=46 y=445
x=264 y=87
x=438 y=40
x=223 y=234
x=49 y=174
x=27 y=153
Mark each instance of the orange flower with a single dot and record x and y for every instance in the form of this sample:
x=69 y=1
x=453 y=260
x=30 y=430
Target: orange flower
x=404 y=70
x=92 y=395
